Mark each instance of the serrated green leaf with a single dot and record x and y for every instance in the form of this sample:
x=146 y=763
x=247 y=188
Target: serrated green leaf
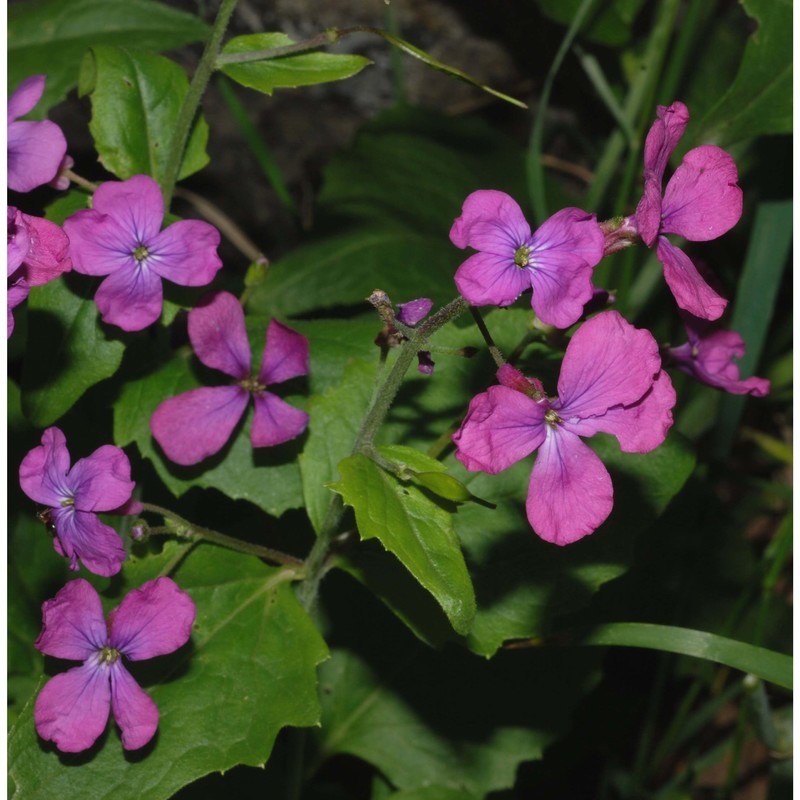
x=524 y=584
x=136 y=98
x=269 y=477
x=51 y=36
x=249 y=670
x=68 y=350
x=290 y=71
x=760 y=100
x=417 y=530
x=446 y=718
x=334 y=421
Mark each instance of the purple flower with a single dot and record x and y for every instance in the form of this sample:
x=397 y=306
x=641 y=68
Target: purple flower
x=121 y=236
x=410 y=314
x=197 y=423
x=701 y=202
x=611 y=382
x=72 y=708
x=556 y=261
x=35 y=149
x=709 y=355
x=72 y=497
x=38 y=252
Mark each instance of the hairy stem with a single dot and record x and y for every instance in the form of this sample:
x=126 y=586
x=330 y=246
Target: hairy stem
x=191 y=101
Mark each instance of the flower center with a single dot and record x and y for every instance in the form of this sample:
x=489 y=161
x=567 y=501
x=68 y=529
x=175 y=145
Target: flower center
x=551 y=418
x=251 y=384
x=521 y=256
x=695 y=351
x=140 y=253
x=108 y=655
x=67 y=501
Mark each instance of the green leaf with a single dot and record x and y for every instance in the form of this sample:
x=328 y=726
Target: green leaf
x=413 y=527
x=269 y=477
x=609 y=24
x=760 y=100
x=335 y=418
x=401 y=262
x=136 y=98
x=425 y=471
x=381 y=687
x=524 y=584
x=51 y=36
x=248 y=671
x=766 y=664
x=68 y=350
x=289 y=71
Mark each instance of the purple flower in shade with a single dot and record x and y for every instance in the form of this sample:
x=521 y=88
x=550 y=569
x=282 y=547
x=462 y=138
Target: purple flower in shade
x=121 y=236
x=38 y=252
x=72 y=497
x=701 y=202
x=72 y=708
x=35 y=149
x=197 y=423
x=611 y=382
x=709 y=356
x=556 y=261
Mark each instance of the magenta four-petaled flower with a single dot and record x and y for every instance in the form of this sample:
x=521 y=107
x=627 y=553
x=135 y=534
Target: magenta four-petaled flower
x=701 y=202
x=121 y=237
x=709 y=356
x=72 y=708
x=611 y=382
x=556 y=261
x=73 y=496
x=36 y=150
x=197 y=423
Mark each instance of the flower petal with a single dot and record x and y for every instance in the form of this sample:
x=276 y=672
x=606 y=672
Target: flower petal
x=73 y=626
x=218 y=335
x=43 y=471
x=18 y=239
x=702 y=200
x=640 y=427
x=196 y=424
x=72 y=708
x=608 y=362
x=152 y=620
x=35 y=152
x=489 y=279
x=185 y=253
x=101 y=481
x=502 y=426
x=48 y=251
x=130 y=298
x=80 y=535
x=285 y=354
x=413 y=311
x=275 y=421
x=99 y=245
x=691 y=292
x=663 y=137
x=648 y=212
x=136 y=206
x=570 y=493
x=491 y=221
x=563 y=252
x=134 y=709
x=25 y=97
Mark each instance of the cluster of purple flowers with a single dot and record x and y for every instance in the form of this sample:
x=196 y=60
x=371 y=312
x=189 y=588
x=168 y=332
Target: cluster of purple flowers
x=611 y=378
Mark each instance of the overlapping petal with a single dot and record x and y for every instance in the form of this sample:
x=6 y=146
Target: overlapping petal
x=491 y=279
x=663 y=137
x=72 y=708
x=134 y=710
x=101 y=481
x=73 y=625
x=570 y=493
x=690 y=290
x=130 y=298
x=43 y=471
x=502 y=426
x=18 y=239
x=136 y=206
x=152 y=620
x=198 y=423
x=608 y=362
x=47 y=255
x=81 y=536
x=702 y=200
x=285 y=354
x=218 y=335
x=275 y=421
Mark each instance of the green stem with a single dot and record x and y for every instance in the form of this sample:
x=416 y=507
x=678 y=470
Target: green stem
x=188 y=530
x=493 y=349
x=191 y=101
